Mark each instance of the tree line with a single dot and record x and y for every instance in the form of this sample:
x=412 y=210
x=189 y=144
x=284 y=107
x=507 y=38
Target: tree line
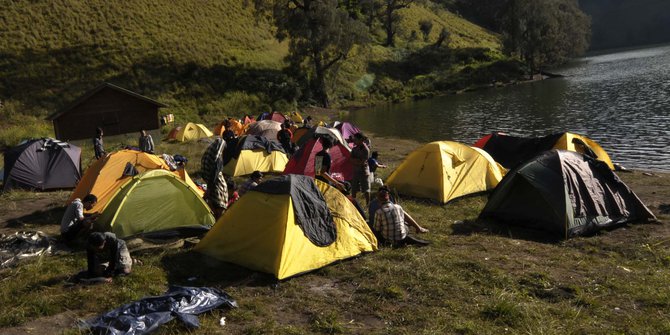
x=322 y=33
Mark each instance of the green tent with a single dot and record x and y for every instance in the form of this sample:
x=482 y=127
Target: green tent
x=154 y=201
x=566 y=194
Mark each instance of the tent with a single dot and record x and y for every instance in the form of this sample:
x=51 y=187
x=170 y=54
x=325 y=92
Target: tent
x=347 y=130
x=283 y=227
x=511 y=151
x=299 y=133
x=172 y=135
x=248 y=120
x=274 y=116
x=302 y=162
x=235 y=126
x=265 y=128
x=253 y=153
x=104 y=177
x=566 y=194
x=320 y=131
x=42 y=164
x=154 y=201
x=444 y=171
x=192 y=131
x=296 y=117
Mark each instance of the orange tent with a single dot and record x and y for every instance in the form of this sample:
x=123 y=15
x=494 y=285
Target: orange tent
x=172 y=135
x=236 y=127
x=106 y=175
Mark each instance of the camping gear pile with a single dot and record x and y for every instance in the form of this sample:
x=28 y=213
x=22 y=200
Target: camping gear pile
x=22 y=245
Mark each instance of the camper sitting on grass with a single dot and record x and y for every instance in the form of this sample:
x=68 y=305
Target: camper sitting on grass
x=391 y=221
x=107 y=256
x=74 y=223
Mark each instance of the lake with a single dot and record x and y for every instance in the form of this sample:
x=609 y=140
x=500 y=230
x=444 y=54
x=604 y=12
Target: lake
x=619 y=99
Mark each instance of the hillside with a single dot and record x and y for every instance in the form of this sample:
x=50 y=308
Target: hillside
x=203 y=59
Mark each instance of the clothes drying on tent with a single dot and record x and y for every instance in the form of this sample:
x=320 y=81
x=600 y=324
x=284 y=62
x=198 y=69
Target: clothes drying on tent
x=42 y=164
x=302 y=162
x=265 y=128
x=192 y=132
x=106 y=175
x=511 y=151
x=278 y=228
x=252 y=153
x=444 y=171
x=566 y=194
x=154 y=201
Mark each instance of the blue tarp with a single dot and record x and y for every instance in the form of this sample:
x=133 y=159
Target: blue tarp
x=146 y=315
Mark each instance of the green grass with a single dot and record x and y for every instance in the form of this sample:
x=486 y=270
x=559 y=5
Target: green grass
x=204 y=60
x=472 y=279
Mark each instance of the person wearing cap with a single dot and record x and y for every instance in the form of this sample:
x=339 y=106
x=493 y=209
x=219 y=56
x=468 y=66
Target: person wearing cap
x=74 y=223
x=107 y=256
x=255 y=179
x=391 y=223
x=359 y=160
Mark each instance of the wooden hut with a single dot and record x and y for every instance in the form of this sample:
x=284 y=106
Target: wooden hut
x=114 y=109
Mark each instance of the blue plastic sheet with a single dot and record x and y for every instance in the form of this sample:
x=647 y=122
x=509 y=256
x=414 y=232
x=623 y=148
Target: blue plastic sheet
x=146 y=315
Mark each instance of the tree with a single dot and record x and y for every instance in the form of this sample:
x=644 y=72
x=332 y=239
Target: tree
x=425 y=26
x=545 y=32
x=390 y=18
x=444 y=37
x=320 y=33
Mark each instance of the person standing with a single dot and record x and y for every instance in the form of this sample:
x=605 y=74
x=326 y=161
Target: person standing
x=98 y=145
x=211 y=167
x=284 y=136
x=146 y=142
x=359 y=161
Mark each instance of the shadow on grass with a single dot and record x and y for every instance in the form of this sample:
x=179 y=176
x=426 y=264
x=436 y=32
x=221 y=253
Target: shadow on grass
x=471 y=227
x=191 y=268
x=40 y=218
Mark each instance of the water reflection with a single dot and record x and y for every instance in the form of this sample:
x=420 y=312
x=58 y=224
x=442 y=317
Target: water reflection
x=621 y=100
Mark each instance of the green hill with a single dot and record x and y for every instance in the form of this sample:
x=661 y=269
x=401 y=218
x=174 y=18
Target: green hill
x=203 y=59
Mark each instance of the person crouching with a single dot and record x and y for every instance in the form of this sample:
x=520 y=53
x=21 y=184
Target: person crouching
x=107 y=256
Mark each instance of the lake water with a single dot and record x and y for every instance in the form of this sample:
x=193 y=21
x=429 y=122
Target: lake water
x=621 y=100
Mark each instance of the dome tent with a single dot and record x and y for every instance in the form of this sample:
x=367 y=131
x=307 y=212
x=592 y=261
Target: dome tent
x=566 y=194
x=445 y=170
x=265 y=230
x=511 y=151
x=251 y=153
x=192 y=132
x=42 y=164
x=154 y=201
x=106 y=175
x=302 y=162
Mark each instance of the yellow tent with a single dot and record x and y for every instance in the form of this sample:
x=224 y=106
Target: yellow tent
x=104 y=177
x=154 y=201
x=251 y=154
x=444 y=171
x=260 y=232
x=193 y=131
x=565 y=142
x=296 y=117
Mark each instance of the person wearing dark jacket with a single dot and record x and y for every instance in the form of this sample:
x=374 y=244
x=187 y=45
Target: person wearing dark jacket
x=107 y=256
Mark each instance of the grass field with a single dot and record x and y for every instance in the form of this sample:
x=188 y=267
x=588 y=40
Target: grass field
x=474 y=278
